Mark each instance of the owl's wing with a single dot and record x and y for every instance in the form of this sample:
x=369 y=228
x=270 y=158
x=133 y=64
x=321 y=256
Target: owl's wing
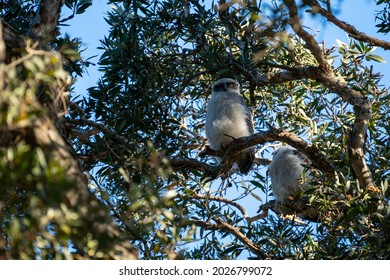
x=248 y=116
x=246 y=158
x=305 y=160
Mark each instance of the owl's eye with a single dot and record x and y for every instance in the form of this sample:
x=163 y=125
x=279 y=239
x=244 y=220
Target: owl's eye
x=226 y=86
x=232 y=85
x=219 y=87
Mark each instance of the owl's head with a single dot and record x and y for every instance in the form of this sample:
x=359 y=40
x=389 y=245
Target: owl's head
x=226 y=84
x=289 y=152
x=283 y=151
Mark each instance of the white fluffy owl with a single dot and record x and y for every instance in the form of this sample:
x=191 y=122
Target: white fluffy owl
x=228 y=118
x=286 y=172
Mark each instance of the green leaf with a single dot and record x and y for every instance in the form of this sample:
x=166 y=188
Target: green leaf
x=375 y=58
x=342 y=44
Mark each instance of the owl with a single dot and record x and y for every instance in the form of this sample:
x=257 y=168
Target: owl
x=287 y=173
x=228 y=118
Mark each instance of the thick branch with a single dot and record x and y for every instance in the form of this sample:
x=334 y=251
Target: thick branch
x=350 y=29
x=291 y=74
x=311 y=151
x=2 y=47
x=44 y=25
x=12 y=44
x=356 y=144
x=311 y=42
x=230 y=155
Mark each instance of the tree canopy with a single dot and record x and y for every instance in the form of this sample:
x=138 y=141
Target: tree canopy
x=124 y=171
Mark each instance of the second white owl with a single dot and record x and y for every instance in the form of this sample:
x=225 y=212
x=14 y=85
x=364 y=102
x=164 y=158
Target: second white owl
x=287 y=173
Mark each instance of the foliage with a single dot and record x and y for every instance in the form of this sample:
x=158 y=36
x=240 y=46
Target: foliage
x=18 y=14
x=46 y=209
x=34 y=224
x=383 y=16
x=148 y=109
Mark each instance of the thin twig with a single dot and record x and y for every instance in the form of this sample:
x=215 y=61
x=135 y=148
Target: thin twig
x=102 y=128
x=221 y=199
x=223 y=226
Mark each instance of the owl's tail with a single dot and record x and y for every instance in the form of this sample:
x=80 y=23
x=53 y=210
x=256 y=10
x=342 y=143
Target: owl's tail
x=245 y=160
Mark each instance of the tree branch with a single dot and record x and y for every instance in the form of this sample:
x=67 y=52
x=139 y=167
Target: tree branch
x=229 y=156
x=311 y=42
x=350 y=29
x=356 y=144
x=362 y=106
x=2 y=47
x=100 y=127
x=12 y=44
x=290 y=74
x=194 y=165
x=230 y=202
x=223 y=226
x=44 y=25
x=273 y=134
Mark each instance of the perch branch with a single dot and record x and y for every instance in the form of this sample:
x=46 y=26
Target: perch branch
x=291 y=209
x=229 y=156
x=273 y=134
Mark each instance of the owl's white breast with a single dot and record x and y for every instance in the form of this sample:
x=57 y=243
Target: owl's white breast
x=226 y=115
